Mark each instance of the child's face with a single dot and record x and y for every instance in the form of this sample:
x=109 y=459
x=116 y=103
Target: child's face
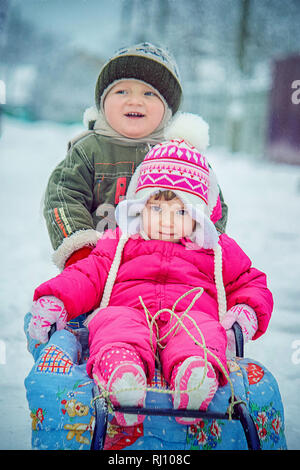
x=133 y=109
x=167 y=220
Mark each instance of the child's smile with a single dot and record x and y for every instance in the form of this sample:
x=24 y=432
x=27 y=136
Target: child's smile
x=135 y=115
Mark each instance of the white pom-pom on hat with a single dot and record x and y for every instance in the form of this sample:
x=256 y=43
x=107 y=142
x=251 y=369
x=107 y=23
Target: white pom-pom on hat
x=191 y=128
x=195 y=131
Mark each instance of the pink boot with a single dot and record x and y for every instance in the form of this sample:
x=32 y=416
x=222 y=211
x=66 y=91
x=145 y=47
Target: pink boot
x=187 y=376
x=122 y=372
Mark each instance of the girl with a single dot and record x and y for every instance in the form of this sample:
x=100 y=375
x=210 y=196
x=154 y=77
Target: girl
x=165 y=245
x=137 y=92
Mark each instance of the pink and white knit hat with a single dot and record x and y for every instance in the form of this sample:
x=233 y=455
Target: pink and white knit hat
x=178 y=166
x=175 y=165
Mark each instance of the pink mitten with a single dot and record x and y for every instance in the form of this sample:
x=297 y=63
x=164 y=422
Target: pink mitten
x=245 y=316
x=46 y=311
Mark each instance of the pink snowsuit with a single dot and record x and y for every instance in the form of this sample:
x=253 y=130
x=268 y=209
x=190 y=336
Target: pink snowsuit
x=160 y=272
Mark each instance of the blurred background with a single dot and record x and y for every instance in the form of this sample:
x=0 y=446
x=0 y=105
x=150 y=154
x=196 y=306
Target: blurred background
x=239 y=62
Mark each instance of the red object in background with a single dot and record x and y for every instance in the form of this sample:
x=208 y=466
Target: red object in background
x=283 y=139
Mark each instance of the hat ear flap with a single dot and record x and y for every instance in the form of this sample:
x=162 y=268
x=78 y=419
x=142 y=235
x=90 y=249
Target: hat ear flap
x=90 y=115
x=213 y=193
x=128 y=216
x=133 y=183
x=205 y=234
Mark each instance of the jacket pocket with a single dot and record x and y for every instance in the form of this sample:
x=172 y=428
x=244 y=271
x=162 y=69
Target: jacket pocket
x=110 y=189
x=121 y=187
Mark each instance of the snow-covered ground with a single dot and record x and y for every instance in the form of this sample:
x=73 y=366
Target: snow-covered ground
x=264 y=217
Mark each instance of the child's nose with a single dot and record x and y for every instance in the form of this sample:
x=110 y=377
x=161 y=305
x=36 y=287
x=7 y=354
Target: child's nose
x=135 y=98
x=167 y=219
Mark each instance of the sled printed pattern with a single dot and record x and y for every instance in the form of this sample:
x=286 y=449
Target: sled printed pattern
x=59 y=394
x=54 y=361
x=255 y=373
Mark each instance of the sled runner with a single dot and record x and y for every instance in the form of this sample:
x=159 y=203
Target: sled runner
x=68 y=411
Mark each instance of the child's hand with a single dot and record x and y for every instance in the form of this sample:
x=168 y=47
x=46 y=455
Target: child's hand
x=46 y=311
x=245 y=316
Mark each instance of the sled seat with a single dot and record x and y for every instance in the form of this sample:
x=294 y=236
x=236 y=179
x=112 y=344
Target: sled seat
x=68 y=412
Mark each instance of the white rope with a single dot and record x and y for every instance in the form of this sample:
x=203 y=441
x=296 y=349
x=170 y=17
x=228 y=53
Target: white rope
x=222 y=303
x=113 y=271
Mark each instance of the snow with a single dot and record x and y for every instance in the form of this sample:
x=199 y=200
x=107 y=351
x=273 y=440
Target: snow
x=264 y=202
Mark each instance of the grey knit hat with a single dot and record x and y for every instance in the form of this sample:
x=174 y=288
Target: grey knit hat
x=145 y=62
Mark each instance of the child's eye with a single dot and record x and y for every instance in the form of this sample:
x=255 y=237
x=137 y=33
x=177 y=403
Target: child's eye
x=149 y=93
x=120 y=92
x=155 y=208
x=182 y=212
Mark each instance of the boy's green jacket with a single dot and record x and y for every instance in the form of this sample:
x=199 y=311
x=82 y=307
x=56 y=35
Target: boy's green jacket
x=85 y=188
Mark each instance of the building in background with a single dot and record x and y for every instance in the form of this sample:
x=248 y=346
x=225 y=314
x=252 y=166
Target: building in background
x=283 y=136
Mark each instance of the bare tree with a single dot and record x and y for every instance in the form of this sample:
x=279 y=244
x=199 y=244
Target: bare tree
x=243 y=34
